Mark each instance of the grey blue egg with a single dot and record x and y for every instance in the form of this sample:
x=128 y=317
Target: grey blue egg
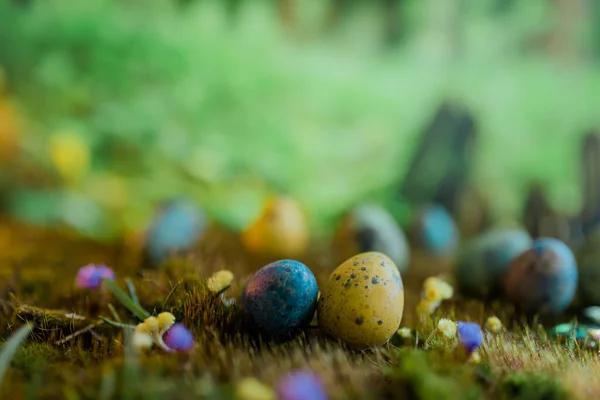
x=372 y=228
x=281 y=296
x=485 y=259
x=543 y=279
x=177 y=228
x=435 y=231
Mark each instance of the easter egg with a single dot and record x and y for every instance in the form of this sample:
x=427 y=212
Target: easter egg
x=486 y=258
x=434 y=231
x=176 y=229
x=363 y=301
x=543 y=279
x=371 y=228
x=280 y=231
x=281 y=296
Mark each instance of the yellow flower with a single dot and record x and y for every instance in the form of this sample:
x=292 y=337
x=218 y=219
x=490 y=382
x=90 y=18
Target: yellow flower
x=70 y=154
x=475 y=358
x=427 y=307
x=165 y=321
x=447 y=327
x=151 y=324
x=493 y=324
x=141 y=340
x=435 y=289
x=252 y=389
x=219 y=281
x=142 y=328
x=404 y=333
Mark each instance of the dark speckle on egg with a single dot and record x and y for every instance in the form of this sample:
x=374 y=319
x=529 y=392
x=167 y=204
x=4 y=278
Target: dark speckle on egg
x=359 y=321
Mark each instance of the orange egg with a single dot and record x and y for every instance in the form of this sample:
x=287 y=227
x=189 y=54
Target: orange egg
x=281 y=230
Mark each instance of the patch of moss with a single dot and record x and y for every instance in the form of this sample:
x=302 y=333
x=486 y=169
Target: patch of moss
x=31 y=357
x=428 y=376
x=531 y=386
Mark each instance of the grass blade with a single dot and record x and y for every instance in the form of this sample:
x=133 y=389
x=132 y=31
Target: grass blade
x=10 y=347
x=170 y=295
x=132 y=292
x=116 y=324
x=126 y=301
x=114 y=312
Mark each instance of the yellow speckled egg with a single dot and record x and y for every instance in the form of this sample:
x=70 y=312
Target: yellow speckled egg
x=363 y=301
x=280 y=231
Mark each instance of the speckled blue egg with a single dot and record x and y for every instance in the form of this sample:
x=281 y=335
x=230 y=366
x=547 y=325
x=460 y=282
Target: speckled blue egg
x=177 y=228
x=281 y=296
x=301 y=385
x=543 y=279
x=486 y=258
x=435 y=230
x=372 y=228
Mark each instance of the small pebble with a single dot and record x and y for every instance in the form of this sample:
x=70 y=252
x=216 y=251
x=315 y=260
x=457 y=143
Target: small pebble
x=281 y=296
x=179 y=338
x=301 y=385
x=470 y=335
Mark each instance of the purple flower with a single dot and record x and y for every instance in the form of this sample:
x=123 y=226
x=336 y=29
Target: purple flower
x=179 y=338
x=91 y=276
x=470 y=335
x=301 y=385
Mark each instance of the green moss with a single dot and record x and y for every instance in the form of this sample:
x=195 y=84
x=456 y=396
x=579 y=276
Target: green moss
x=532 y=386
x=428 y=376
x=31 y=357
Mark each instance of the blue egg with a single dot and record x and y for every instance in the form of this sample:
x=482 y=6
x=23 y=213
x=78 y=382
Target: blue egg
x=486 y=258
x=543 y=279
x=176 y=229
x=301 y=385
x=374 y=229
x=281 y=296
x=436 y=231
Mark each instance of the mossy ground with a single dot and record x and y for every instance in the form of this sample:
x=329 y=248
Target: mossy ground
x=38 y=267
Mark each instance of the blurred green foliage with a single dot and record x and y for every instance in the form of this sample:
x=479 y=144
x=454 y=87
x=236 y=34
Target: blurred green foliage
x=187 y=98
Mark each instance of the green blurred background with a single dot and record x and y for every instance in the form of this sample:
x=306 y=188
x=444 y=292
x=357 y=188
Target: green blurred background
x=125 y=104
